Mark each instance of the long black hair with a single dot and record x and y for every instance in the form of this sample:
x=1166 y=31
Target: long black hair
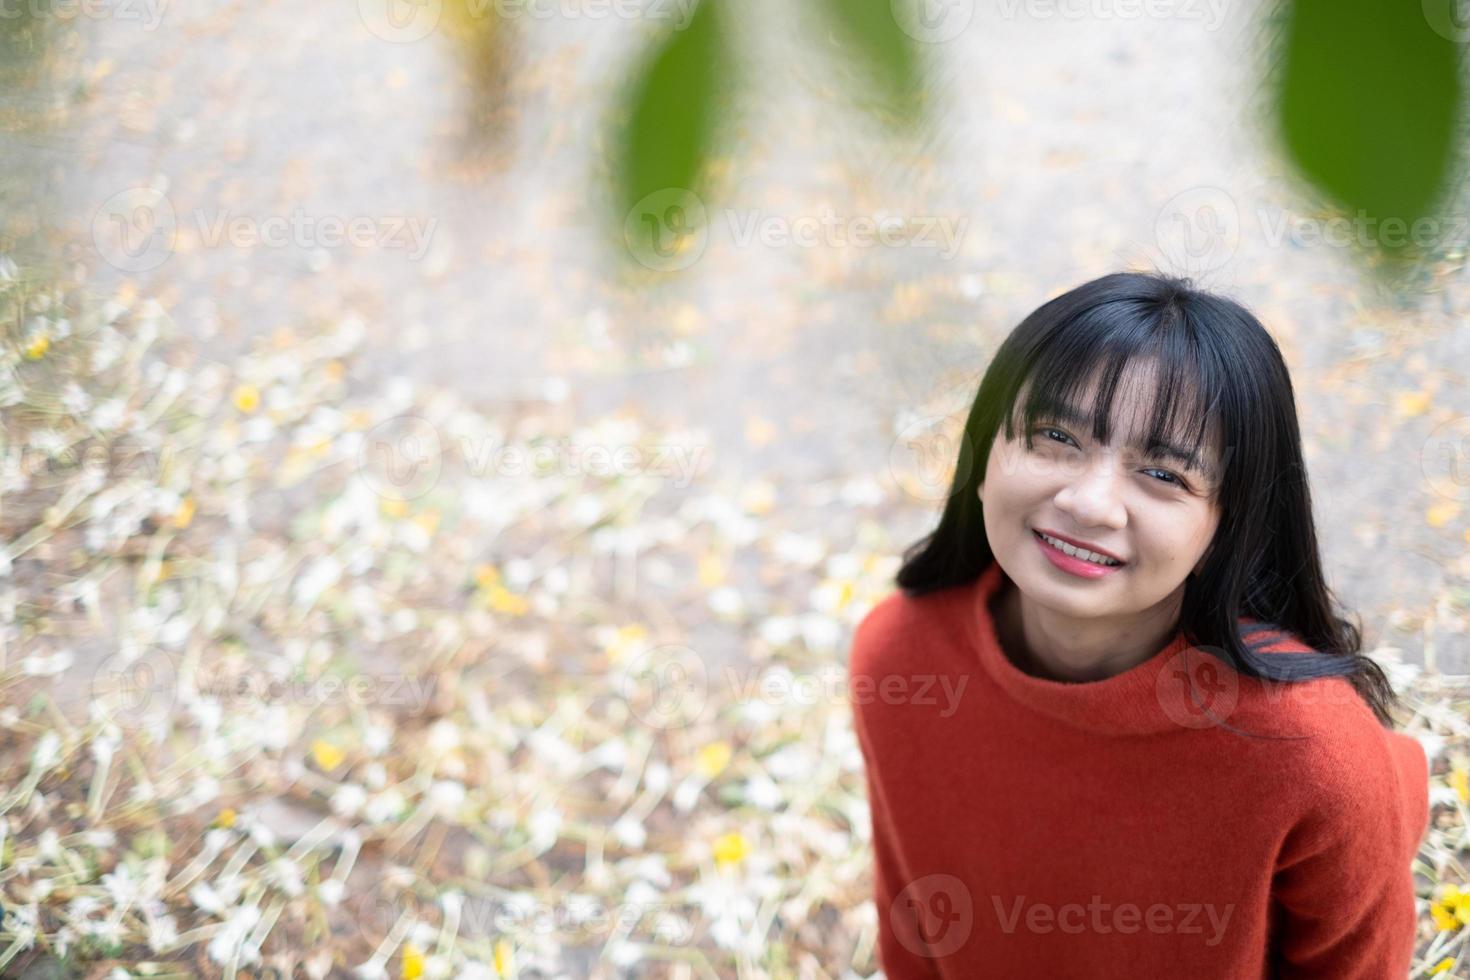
x=1220 y=374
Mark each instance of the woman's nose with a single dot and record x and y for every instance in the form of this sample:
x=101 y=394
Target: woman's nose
x=1093 y=494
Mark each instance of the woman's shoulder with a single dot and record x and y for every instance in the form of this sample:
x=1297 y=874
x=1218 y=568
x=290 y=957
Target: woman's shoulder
x=1347 y=752
x=898 y=623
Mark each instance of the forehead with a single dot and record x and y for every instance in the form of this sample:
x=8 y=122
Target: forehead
x=1130 y=416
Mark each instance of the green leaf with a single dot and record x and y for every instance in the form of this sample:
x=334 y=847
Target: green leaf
x=882 y=53
x=672 y=110
x=1369 y=100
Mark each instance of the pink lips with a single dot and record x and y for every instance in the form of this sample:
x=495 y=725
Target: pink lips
x=1073 y=565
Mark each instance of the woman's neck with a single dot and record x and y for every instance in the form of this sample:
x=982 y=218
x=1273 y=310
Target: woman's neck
x=1041 y=646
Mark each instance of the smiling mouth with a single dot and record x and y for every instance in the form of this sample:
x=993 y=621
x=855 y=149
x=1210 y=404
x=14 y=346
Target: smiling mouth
x=1061 y=546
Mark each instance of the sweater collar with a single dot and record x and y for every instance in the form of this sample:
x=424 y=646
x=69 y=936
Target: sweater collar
x=1154 y=696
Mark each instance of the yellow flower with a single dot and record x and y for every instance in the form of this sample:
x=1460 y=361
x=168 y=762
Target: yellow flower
x=759 y=497
x=37 y=348
x=428 y=521
x=1443 y=916
x=503 y=600
x=247 y=398
x=1442 y=965
x=731 y=849
x=711 y=570
x=413 y=962
x=627 y=637
x=1461 y=783
x=486 y=575
x=713 y=758
x=1441 y=513
x=504 y=961
x=393 y=508
x=758 y=431
x=226 y=818
x=185 y=513
x=1412 y=403
x=327 y=755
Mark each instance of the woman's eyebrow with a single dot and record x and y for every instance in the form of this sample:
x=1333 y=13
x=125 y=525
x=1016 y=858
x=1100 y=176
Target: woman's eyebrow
x=1070 y=415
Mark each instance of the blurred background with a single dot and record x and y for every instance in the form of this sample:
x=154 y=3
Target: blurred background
x=448 y=443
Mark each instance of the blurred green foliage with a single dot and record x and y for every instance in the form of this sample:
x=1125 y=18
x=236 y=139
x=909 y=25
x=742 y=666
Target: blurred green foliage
x=1368 y=102
x=1369 y=105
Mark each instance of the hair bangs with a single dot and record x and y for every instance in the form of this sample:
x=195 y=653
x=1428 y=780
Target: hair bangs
x=1164 y=364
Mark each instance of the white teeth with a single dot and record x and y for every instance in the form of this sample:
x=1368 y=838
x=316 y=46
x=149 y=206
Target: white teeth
x=1082 y=553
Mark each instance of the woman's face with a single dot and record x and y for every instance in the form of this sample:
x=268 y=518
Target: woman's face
x=1156 y=514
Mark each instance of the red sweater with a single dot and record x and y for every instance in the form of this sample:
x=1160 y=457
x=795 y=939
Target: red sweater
x=1026 y=827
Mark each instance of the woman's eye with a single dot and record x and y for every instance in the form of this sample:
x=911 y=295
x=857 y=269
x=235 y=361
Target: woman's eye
x=1048 y=431
x=1172 y=478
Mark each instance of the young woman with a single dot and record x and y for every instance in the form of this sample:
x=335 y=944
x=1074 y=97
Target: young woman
x=1113 y=726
